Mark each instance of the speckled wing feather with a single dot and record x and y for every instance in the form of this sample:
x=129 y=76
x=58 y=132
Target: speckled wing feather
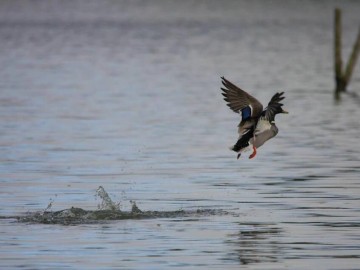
x=237 y=99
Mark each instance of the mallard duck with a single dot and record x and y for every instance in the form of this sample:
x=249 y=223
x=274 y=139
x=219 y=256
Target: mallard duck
x=257 y=125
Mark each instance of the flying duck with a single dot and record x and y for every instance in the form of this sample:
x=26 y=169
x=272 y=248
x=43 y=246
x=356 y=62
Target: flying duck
x=257 y=125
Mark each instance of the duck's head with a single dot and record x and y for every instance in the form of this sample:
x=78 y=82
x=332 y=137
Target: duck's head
x=275 y=107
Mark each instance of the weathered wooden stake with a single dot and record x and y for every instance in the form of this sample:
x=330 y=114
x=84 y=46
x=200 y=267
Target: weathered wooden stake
x=342 y=79
x=337 y=54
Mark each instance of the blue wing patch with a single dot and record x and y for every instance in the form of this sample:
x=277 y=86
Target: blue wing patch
x=245 y=113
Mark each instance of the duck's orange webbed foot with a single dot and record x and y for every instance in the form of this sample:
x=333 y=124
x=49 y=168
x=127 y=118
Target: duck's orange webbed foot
x=253 y=153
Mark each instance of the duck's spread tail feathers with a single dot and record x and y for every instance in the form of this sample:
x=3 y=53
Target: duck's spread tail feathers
x=243 y=141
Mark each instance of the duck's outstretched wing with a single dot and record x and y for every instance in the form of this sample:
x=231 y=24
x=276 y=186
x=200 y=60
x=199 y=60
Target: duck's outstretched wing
x=237 y=99
x=274 y=106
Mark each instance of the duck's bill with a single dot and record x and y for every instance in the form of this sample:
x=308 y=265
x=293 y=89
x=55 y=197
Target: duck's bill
x=283 y=111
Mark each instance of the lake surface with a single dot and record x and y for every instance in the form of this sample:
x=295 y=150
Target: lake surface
x=126 y=95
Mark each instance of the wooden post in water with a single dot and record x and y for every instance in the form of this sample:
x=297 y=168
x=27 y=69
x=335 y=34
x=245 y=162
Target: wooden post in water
x=337 y=54
x=342 y=79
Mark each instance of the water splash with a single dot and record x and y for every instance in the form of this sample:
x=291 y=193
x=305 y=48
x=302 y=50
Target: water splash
x=106 y=203
x=76 y=215
x=108 y=210
x=135 y=208
x=48 y=207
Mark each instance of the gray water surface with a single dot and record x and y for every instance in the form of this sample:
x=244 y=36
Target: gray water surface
x=126 y=95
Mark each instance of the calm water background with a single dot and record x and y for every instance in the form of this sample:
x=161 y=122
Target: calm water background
x=125 y=94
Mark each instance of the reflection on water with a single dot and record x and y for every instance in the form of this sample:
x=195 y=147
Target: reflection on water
x=126 y=95
x=255 y=243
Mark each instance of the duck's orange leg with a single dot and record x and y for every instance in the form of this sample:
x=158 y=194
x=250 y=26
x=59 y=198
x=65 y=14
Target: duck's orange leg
x=253 y=153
